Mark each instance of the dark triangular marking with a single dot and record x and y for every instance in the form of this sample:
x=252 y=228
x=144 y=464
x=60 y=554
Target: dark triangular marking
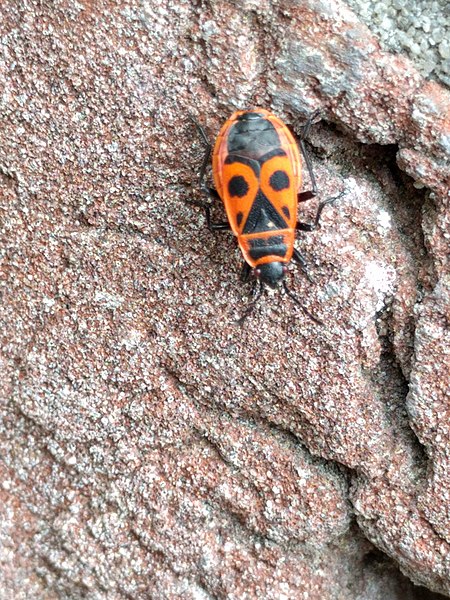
x=263 y=217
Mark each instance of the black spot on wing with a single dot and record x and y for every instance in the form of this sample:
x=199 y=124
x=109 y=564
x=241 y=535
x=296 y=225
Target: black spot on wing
x=286 y=211
x=237 y=186
x=239 y=217
x=279 y=180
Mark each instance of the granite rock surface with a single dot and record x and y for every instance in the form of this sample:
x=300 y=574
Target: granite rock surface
x=149 y=446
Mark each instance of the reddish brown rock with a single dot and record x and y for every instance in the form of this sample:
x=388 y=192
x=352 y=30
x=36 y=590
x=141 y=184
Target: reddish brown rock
x=151 y=448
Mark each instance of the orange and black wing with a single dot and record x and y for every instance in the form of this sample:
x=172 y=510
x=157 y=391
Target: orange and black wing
x=257 y=173
x=240 y=188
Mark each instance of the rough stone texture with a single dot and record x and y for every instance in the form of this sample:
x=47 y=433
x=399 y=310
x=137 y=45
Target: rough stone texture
x=421 y=30
x=151 y=448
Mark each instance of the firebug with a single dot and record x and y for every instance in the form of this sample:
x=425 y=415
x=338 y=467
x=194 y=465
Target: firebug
x=257 y=172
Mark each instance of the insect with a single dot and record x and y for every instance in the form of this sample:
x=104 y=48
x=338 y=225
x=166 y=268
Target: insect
x=257 y=172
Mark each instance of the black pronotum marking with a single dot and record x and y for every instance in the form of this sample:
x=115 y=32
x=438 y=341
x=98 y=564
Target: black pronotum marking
x=252 y=134
x=279 y=180
x=237 y=186
x=250 y=116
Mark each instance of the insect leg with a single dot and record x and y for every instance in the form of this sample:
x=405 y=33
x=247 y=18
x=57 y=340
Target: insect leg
x=299 y=259
x=245 y=273
x=298 y=303
x=303 y=196
x=209 y=191
x=310 y=120
x=256 y=295
x=310 y=193
x=311 y=226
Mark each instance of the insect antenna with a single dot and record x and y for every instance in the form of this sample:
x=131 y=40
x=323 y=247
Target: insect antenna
x=304 y=309
x=256 y=294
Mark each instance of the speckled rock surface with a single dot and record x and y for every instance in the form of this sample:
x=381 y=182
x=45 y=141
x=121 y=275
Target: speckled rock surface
x=419 y=29
x=150 y=447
